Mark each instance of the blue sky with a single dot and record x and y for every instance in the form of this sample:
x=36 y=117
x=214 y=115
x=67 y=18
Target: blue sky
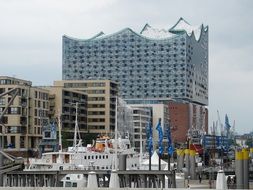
x=31 y=32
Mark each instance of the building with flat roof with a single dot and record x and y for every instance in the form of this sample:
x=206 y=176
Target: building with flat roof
x=23 y=112
x=167 y=63
x=63 y=101
x=100 y=104
x=157 y=111
x=141 y=118
x=183 y=116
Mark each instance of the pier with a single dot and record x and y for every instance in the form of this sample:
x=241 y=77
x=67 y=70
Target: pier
x=127 y=179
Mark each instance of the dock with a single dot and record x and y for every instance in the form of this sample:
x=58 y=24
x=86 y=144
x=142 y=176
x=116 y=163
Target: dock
x=127 y=179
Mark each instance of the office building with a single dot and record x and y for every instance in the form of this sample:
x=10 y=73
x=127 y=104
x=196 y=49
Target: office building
x=101 y=102
x=66 y=102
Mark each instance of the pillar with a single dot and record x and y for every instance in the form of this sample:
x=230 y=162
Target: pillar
x=192 y=164
x=92 y=180
x=114 y=180
x=245 y=158
x=180 y=159
x=187 y=162
x=239 y=169
x=221 y=182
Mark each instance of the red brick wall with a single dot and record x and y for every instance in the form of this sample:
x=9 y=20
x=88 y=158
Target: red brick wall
x=179 y=121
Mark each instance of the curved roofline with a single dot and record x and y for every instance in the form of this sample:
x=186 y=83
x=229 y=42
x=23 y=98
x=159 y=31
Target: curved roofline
x=77 y=39
x=125 y=29
x=101 y=34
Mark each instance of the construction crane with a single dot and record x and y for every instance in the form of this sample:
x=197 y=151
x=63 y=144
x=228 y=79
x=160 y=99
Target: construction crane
x=220 y=124
x=227 y=126
x=233 y=129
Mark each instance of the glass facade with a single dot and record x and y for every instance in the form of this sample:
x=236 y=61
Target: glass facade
x=145 y=67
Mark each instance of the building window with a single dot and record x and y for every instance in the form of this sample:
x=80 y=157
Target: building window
x=22 y=142
x=13 y=143
x=2 y=101
x=14 y=110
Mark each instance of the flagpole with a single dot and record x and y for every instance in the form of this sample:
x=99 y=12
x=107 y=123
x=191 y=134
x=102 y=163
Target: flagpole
x=160 y=143
x=168 y=162
x=159 y=161
x=150 y=143
x=150 y=160
x=169 y=144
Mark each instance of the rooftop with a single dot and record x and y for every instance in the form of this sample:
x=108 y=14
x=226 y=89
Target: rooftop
x=181 y=27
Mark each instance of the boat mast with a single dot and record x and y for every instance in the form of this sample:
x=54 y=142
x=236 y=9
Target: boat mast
x=59 y=126
x=74 y=142
x=116 y=136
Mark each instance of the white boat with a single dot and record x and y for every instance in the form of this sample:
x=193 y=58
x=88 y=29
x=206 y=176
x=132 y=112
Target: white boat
x=99 y=157
x=102 y=156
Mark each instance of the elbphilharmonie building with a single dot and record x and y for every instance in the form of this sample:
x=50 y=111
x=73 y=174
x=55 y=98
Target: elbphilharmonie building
x=154 y=64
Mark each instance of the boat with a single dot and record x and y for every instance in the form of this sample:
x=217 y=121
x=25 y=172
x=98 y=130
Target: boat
x=103 y=155
x=98 y=157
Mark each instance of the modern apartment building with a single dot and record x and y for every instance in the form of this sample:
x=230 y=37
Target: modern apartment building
x=142 y=116
x=101 y=102
x=23 y=112
x=66 y=102
x=167 y=63
x=157 y=111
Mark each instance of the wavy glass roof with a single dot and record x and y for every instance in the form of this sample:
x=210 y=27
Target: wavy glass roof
x=155 y=63
x=151 y=33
